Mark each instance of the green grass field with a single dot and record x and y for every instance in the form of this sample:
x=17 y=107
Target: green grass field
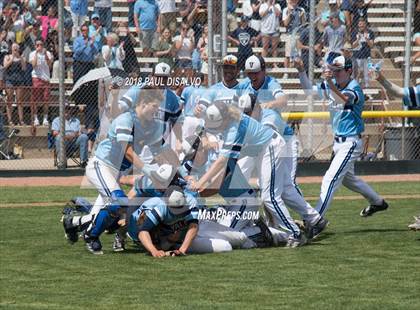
x=359 y=263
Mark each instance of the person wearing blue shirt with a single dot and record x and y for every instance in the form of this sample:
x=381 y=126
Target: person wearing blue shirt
x=146 y=14
x=128 y=134
x=345 y=103
x=244 y=136
x=79 y=9
x=73 y=137
x=84 y=52
x=97 y=31
x=170 y=218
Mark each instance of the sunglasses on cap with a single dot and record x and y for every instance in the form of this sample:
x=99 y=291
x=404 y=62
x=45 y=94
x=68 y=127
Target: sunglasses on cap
x=230 y=62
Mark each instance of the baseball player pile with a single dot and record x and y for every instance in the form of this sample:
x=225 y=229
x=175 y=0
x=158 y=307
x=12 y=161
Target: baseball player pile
x=214 y=169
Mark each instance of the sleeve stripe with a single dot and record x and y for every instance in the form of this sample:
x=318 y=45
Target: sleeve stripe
x=277 y=91
x=412 y=95
x=123 y=131
x=126 y=100
x=356 y=98
x=125 y=138
x=156 y=215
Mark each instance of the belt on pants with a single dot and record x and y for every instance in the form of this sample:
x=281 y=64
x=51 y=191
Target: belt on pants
x=342 y=139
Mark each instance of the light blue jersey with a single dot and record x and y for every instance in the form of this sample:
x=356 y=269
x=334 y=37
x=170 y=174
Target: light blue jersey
x=154 y=213
x=346 y=119
x=274 y=120
x=126 y=129
x=245 y=138
x=269 y=90
x=412 y=96
x=221 y=92
x=169 y=111
x=190 y=97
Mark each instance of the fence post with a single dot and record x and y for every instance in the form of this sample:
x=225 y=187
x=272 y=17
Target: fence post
x=211 y=42
x=62 y=162
x=311 y=60
x=224 y=28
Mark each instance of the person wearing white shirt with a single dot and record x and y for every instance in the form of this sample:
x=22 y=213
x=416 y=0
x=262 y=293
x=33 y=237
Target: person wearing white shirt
x=41 y=61
x=270 y=13
x=113 y=53
x=167 y=16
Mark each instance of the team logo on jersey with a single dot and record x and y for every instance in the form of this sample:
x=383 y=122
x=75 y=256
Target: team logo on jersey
x=244 y=38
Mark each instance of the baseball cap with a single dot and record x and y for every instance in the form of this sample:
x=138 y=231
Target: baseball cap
x=176 y=200
x=230 y=60
x=347 y=47
x=14 y=6
x=214 y=115
x=254 y=64
x=95 y=15
x=162 y=69
x=340 y=62
x=163 y=174
x=246 y=102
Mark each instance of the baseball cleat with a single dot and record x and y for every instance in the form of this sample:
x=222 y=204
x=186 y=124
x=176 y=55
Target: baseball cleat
x=93 y=245
x=313 y=231
x=266 y=234
x=119 y=243
x=296 y=242
x=416 y=224
x=69 y=230
x=370 y=210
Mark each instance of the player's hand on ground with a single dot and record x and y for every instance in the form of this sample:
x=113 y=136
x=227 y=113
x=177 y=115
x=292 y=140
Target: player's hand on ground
x=158 y=254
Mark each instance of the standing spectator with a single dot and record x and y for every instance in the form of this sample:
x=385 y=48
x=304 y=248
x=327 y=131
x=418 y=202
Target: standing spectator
x=73 y=137
x=347 y=8
x=104 y=9
x=255 y=17
x=46 y=4
x=41 y=61
x=113 y=55
x=84 y=52
x=97 y=31
x=194 y=12
x=79 y=10
x=146 y=13
x=33 y=34
x=15 y=25
x=49 y=22
x=416 y=30
x=4 y=50
x=362 y=43
x=293 y=17
x=231 y=17
x=184 y=46
x=333 y=8
x=164 y=48
x=302 y=43
x=131 y=4
x=270 y=13
x=360 y=11
x=334 y=35
x=130 y=62
x=167 y=16
x=14 y=76
x=200 y=54
x=51 y=44
x=243 y=37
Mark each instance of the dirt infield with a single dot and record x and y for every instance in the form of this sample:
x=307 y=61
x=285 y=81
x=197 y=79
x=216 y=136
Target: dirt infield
x=77 y=180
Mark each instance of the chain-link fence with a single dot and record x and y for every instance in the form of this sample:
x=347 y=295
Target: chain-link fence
x=128 y=38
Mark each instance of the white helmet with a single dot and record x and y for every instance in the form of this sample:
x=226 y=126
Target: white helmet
x=176 y=201
x=164 y=173
x=213 y=118
x=162 y=69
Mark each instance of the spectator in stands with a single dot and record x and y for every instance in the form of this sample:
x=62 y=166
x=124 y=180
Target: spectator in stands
x=201 y=52
x=49 y=22
x=51 y=44
x=97 y=31
x=146 y=14
x=113 y=53
x=84 y=52
x=165 y=48
x=416 y=30
x=302 y=43
x=4 y=50
x=41 y=61
x=363 y=41
x=14 y=76
x=243 y=37
x=79 y=10
x=15 y=24
x=231 y=16
x=293 y=17
x=32 y=34
x=270 y=13
x=46 y=4
x=104 y=9
x=334 y=35
x=73 y=138
x=360 y=11
x=255 y=22
x=130 y=62
x=194 y=12
x=167 y=16
x=184 y=46
x=332 y=9
x=347 y=8
x=131 y=4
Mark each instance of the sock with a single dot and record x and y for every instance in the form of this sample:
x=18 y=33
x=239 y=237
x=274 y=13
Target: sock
x=81 y=220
